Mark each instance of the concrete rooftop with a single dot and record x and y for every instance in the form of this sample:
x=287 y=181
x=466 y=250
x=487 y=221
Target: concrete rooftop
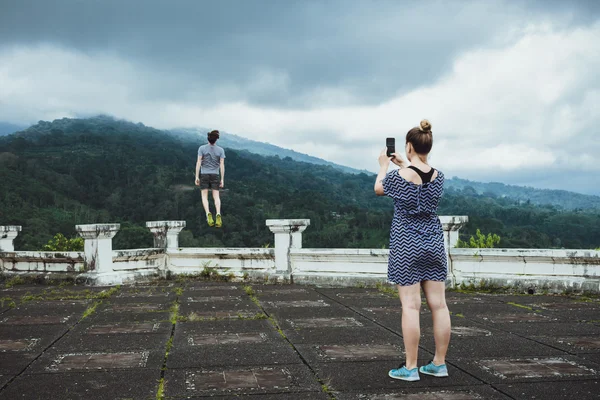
x=193 y=339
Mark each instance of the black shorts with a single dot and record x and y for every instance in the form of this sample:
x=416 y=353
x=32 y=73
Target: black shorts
x=209 y=181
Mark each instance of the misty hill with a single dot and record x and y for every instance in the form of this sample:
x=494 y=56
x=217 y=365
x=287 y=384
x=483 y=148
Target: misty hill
x=235 y=142
x=71 y=171
x=560 y=199
x=7 y=128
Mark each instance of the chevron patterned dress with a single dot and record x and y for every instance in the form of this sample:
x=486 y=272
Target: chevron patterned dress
x=416 y=239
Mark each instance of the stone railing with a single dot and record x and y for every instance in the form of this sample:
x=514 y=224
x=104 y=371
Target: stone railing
x=529 y=270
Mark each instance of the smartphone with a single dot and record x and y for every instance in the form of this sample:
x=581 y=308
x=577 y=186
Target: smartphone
x=390 y=143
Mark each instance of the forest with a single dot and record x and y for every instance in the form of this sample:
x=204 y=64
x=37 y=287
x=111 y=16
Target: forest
x=55 y=175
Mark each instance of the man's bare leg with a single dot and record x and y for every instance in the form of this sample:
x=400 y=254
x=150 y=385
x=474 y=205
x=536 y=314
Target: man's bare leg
x=205 y=201
x=217 y=198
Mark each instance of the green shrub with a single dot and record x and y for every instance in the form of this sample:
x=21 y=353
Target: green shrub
x=61 y=243
x=480 y=241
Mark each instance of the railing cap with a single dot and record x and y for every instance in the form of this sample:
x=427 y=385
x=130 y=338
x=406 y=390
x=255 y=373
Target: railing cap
x=165 y=224
x=10 y=228
x=97 y=231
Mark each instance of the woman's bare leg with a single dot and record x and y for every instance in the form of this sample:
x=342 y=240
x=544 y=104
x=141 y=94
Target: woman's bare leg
x=410 y=297
x=435 y=292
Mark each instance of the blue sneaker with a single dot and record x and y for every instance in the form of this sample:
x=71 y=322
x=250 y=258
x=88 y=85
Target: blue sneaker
x=434 y=370
x=405 y=374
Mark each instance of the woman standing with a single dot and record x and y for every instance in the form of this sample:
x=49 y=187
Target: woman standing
x=417 y=256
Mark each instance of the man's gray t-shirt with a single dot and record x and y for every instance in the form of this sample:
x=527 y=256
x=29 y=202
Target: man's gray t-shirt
x=211 y=158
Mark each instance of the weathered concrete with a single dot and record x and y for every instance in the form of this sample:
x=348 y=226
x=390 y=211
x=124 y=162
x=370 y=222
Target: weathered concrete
x=166 y=233
x=288 y=235
x=8 y=234
x=523 y=270
x=341 y=351
x=98 y=252
x=528 y=269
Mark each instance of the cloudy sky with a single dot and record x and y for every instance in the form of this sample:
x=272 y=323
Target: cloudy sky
x=511 y=87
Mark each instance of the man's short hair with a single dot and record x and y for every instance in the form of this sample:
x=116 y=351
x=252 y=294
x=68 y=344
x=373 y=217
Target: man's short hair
x=213 y=136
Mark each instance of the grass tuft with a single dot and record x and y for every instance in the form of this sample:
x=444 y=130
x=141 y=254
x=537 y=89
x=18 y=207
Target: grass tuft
x=520 y=306
x=90 y=310
x=160 y=393
x=9 y=302
x=15 y=280
x=386 y=289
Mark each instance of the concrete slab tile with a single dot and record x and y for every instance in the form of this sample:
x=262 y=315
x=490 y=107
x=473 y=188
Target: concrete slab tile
x=245 y=305
x=242 y=354
x=97 y=385
x=479 y=392
x=350 y=291
x=12 y=363
x=50 y=308
x=581 y=390
x=23 y=344
x=210 y=299
x=4 y=379
x=550 y=328
x=192 y=337
x=580 y=315
x=281 y=304
x=573 y=344
x=512 y=318
x=529 y=369
x=283 y=289
x=369 y=376
x=207 y=285
x=126 y=328
x=207 y=315
x=317 y=353
x=56 y=361
x=594 y=357
x=281 y=396
x=131 y=307
x=76 y=342
x=333 y=311
x=140 y=298
x=44 y=334
x=344 y=335
x=495 y=345
x=19 y=320
x=500 y=309
x=232 y=382
x=224 y=326
x=212 y=291
x=102 y=318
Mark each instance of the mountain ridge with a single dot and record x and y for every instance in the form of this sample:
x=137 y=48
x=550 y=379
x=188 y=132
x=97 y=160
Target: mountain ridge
x=562 y=199
x=71 y=172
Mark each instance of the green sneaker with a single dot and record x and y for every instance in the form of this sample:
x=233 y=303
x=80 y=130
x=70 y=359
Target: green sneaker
x=219 y=221
x=210 y=220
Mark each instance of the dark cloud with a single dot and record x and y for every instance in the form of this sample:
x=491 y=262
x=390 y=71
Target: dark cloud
x=271 y=52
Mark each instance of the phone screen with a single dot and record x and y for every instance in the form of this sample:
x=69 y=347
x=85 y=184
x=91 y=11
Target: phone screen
x=390 y=143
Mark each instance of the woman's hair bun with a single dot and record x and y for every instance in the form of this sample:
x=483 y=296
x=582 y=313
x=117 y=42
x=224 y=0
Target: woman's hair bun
x=425 y=126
